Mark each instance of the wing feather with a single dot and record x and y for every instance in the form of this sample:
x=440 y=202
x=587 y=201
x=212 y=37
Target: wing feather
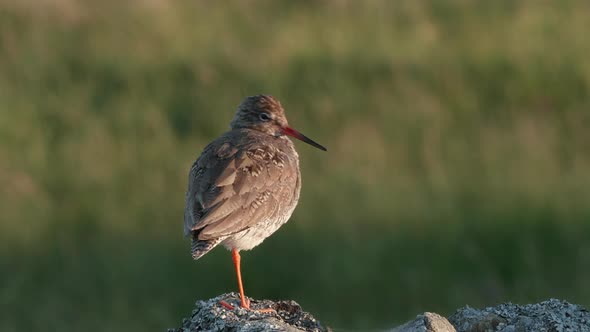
x=231 y=189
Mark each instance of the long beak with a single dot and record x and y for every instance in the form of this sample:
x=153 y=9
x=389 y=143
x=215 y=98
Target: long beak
x=294 y=133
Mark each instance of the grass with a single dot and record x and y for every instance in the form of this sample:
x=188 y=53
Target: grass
x=457 y=170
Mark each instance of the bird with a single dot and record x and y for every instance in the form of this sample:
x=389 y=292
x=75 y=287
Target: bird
x=245 y=184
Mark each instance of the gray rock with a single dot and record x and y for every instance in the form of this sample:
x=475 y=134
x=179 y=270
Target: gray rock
x=551 y=315
x=548 y=316
x=212 y=317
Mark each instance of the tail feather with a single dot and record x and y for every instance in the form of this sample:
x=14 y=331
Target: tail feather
x=201 y=247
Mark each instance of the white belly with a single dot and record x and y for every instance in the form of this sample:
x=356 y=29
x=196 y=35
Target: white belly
x=251 y=237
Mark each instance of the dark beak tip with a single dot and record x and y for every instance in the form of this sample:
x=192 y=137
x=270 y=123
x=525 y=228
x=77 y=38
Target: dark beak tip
x=294 y=133
x=316 y=145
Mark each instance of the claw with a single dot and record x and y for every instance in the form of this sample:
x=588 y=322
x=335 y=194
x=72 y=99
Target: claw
x=226 y=305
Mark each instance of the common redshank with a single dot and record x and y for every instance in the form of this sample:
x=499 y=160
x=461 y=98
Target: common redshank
x=245 y=184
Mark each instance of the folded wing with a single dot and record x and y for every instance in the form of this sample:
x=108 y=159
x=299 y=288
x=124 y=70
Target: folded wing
x=232 y=189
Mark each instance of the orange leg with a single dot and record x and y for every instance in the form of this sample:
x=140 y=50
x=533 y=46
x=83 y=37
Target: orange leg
x=236 y=257
x=245 y=302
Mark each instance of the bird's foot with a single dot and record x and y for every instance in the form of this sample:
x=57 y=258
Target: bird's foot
x=266 y=311
x=226 y=305
x=246 y=305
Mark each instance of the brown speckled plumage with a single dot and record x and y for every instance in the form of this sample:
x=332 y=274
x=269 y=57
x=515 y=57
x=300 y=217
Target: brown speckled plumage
x=246 y=183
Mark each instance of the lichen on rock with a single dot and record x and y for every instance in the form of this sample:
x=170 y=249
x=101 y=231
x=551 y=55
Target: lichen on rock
x=550 y=315
x=211 y=316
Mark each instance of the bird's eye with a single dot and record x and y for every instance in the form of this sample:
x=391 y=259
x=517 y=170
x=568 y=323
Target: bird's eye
x=264 y=117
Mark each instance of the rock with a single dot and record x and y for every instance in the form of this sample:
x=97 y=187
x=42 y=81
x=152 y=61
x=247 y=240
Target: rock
x=427 y=322
x=550 y=315
x=211 y=316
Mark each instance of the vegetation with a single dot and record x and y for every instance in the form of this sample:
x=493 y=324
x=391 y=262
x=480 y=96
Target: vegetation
x=458 y=169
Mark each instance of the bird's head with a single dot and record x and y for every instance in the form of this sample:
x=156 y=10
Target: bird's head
x=264 y=113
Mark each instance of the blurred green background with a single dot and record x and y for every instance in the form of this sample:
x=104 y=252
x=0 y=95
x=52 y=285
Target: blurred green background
x=458 y=169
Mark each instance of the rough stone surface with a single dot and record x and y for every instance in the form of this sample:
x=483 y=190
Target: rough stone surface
x=211 y=316
x=427 y=322
x=548 y=316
